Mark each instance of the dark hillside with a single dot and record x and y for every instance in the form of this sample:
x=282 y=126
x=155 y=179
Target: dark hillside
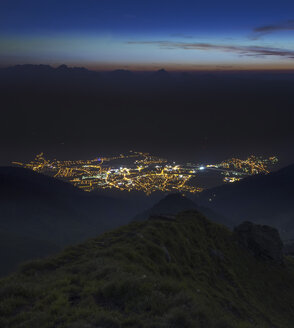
x=172 y=204
x=266 y=199
x=169 y=205
x=186 y=272
x=40 y=214
x=46 y=208
x=17 y=248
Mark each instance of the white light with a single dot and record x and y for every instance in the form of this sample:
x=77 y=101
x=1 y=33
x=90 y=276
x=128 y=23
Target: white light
x=201 y=168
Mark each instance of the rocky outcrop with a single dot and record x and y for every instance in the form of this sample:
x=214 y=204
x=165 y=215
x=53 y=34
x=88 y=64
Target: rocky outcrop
x=262 y=241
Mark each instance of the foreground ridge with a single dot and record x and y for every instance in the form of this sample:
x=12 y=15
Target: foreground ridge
x=184 y=272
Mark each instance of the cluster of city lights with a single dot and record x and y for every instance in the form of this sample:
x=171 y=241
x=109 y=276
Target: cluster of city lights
x=137 y=171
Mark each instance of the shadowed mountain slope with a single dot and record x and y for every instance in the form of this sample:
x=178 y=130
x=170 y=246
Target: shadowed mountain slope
x=175 y=203
x=169 y=205
x=266 y=199
x=187 y=272
x=46 y=208
x=46 y=214
x=18 y=248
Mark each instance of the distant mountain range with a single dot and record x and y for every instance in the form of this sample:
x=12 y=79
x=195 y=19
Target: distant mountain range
x=72 y=75
x=32 y=72
x=43 y=68
x=267 y=199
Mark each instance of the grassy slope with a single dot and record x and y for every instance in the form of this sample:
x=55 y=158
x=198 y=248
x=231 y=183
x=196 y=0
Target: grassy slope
x=125 y=278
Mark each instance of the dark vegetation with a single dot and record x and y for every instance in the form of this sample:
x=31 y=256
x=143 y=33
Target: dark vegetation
x=266 y=199
x=186 y=272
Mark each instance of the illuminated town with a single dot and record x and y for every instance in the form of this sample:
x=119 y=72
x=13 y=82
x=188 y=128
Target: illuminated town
x=137 y=171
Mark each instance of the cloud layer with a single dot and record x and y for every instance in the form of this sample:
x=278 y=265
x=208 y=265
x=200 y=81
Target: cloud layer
x=255 y=51
x=266 y=29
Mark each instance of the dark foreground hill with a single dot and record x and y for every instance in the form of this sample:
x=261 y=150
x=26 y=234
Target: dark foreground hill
x=40 y=214
x=175 y=203
x=186 y=272
x=169 y=205
x=266 y=199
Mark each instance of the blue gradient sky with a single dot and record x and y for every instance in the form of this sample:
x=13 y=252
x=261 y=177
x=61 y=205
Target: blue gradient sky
x=107 y=34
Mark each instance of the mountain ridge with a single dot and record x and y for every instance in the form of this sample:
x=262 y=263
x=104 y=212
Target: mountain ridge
x=266 y=199
x=188 y=272
x=174 y=203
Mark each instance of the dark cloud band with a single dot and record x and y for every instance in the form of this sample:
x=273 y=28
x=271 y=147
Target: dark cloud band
x=267 y=29
x=257 y=51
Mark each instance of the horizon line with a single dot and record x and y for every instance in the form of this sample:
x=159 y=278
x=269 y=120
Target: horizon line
x=167 y=68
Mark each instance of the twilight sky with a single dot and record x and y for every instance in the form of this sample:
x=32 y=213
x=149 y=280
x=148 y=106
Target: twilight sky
x=179 y=35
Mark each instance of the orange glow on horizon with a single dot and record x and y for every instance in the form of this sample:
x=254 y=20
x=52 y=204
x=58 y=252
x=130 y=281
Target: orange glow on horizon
x=140 y=67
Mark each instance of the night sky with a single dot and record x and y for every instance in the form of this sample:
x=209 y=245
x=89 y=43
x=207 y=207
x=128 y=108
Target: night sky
x=181 y=35
x=229 y=90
